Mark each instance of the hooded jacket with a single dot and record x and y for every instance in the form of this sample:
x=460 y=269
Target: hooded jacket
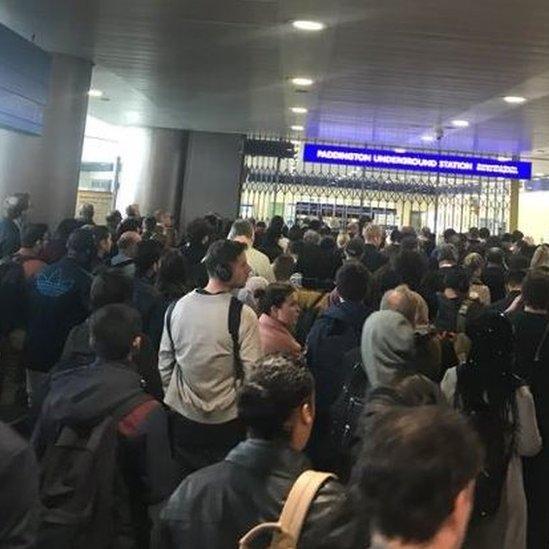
x=85 y=395
x=387 y=347
x=215 y=506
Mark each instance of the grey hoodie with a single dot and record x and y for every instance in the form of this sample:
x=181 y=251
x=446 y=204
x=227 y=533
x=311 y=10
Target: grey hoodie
x=387 y=347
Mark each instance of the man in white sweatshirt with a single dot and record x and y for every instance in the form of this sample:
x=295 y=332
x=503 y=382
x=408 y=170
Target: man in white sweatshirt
x=201 y=363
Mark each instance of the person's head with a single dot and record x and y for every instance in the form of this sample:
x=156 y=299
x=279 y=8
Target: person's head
x=226 y=263
x=147 y=258
x=342 y=240
x=328 y=244
x=449 y=236
x=276 y=401
x=295 y=233
x=353 y=281
x=311 y=237
x=16 y=204
x=535 y=290
x=484 y=233
x=111 y=286
x=66 y=228
x=103 y=240
x=133 y=210
x=33 y=236
x=127 y=243
x=415 y=476
x=373 y=234
x=400 y=300
x=387 y=346
x=280 y=303
x=517 y=235
x=540 y=257
x=473 y=264
x=81 y=247
x=199 y=231
x=514 y=279
x=354 y=249
x=149 y=223
x=395 y=236
x=276 y=225
x=114 y=218
x=172 y=276
x=115 y=332
x=242 y=231
x=411 y=266
x=457 y=281
x=353 y=229
x=518 y=262
x=283 y=267
x=447 y=255
x=86 y=212
x=474 y=233
x=130 y=224
x=495 y=256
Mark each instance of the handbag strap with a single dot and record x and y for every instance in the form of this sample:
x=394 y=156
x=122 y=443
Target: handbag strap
x=299 y=500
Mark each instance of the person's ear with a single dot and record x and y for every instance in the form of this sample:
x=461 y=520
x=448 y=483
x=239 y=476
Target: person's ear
x=463 y=506
x=137 y=343
x=307 y=413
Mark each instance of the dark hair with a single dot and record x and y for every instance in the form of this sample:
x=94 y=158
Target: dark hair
x=81 y=246
x=474 y=233
x=484 y=233
x=114 y=217
x=67 y=227
x=456 y=279
x=535 y=289
x=222 y=253
x=328 y=244
x=495 y=255
x=448 y=234
x=515 y=277
x=276 y=225
x=100 y=232
x=148 y=253
x=395 y=236
x=353 y=281
x=412 y=465
x=111 y=286
x=283 y=267
x=518 y=262
x=355 y=248
x=131 y=210
x=173 y=272
x=277 y=386
x=198 y=229
x=517 y=235
x=448 y=252
x=261 y=224
x=275 y=295
x=32 y=234
x=295 y=233
x=411 y=266
x=149 y=223
x=113 y=329
x=241 y=227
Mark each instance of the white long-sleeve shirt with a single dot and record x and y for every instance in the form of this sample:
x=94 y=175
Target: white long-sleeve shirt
x=199 y=377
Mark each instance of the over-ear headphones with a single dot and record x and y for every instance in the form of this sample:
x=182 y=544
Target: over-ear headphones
x=224 y=272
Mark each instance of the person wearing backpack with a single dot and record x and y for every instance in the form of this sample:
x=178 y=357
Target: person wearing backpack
x=209 y=340
x=15 y=207
x=217 y=506
x=501 y=408
x=103 y=496
x=335 y=333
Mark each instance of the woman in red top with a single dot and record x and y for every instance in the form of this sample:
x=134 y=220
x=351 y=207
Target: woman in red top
x=279 y=313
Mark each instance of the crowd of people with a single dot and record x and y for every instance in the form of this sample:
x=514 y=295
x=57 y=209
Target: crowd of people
x=167 y=392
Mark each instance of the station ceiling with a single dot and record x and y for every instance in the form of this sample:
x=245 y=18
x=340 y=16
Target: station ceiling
x=385 y=71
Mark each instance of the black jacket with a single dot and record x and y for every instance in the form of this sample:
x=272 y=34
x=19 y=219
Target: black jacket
x=372 y=258
x=494 y=277
x=87 y=394
x=10 y=237
x=214 y=507
x=19 y=503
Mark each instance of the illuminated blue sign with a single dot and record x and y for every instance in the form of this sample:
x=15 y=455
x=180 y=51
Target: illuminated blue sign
x=417 y=162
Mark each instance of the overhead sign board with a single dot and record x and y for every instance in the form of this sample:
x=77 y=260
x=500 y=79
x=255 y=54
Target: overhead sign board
x=417 y=162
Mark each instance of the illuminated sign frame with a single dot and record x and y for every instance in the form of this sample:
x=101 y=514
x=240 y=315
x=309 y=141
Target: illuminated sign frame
x=417 y=162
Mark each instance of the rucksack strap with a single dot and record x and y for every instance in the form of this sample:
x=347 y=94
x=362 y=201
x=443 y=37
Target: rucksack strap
x=461 y=321
x=235 y=315
x=539 y=349
x=299 y=500
x=168 y=323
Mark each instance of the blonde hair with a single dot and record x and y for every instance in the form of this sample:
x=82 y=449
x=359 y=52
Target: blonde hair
x=540 y=257
x=342 y=240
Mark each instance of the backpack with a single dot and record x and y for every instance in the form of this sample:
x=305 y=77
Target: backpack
x=306 y=319
x=346 y=411
x=83 y=495
x=287 y=530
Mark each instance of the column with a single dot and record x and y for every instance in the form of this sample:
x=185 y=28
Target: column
x=48 y=166
x=514 y=205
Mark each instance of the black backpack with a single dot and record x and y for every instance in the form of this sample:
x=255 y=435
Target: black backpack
x=346 y=411
x=306 y=319
x=84 y=497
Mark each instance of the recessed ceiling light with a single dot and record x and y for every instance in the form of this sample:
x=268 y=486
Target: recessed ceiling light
x=400 y=151
x=300 y=81
x=308 y=25
x=514 y=99
x=297 y=128
x=95 y=93
x=299 y=110
x=427 y=138
x=460 y=123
